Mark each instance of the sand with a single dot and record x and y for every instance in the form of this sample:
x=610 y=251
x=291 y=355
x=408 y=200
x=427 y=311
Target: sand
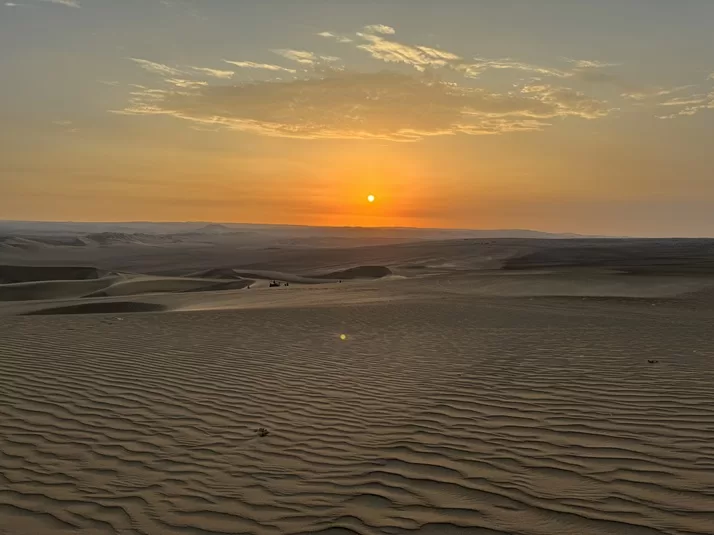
x=462 y=399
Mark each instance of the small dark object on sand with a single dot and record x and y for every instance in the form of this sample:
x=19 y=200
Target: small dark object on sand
x=263 y=432
x=653 y=361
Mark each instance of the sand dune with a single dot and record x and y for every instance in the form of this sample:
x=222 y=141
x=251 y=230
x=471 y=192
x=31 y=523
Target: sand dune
x=450 y=397
x=138 y=285
x=74 y=282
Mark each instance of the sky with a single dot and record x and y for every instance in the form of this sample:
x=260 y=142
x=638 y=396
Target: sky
x=554 y=115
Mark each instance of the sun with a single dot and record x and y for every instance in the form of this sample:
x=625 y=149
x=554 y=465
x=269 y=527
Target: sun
x=371 y=198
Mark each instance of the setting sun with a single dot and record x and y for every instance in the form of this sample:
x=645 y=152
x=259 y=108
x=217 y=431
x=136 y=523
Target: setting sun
x=371 y=198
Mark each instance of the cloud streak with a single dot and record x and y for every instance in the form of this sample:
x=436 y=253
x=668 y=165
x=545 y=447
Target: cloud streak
x=304 y=57
x=67 y=3
x=157 y=68
x=215 y=73
x=264 y=66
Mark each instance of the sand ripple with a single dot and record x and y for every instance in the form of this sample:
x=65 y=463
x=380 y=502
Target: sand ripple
x=430 y=419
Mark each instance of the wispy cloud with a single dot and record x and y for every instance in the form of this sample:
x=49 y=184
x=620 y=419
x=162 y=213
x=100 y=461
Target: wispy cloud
x=419 y=57
x=215 y=73
x=568 y=101
x=179 y=74
x=265 y=66
x=186 y=84
x=423 y=57
x=590 y=64
x=692 y=105
x=304 y=57
x=157 y=68
x=338 y=38
x=68 y=3
x=479 y=66
x=428 y=91
x=691 y=100
x=643 y=94
x=379 y=28
x=384 y=105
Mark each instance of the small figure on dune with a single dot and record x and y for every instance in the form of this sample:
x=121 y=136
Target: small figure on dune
x=262 y=432
x=274 y=284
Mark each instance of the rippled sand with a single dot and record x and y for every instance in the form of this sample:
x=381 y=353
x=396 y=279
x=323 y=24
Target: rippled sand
x=445 y=413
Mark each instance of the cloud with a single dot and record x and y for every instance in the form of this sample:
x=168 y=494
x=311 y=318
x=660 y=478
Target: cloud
x=643 y=94
x=569 y=102
x=176 y=75
x=423 y=57
x=304 y=57
x=215 y=73
x=338 y=38
x=388 y=106
x=691 y=100
x=379 y=28
x=68 y=3
x=419 y=57
x=185 y=84
x=253 y=65
x=590 y=64
x=596 y=72
x=157 y=68
x=693 y=105
x=478 y=66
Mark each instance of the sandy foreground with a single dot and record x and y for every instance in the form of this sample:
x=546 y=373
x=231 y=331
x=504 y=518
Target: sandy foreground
x=457 y=402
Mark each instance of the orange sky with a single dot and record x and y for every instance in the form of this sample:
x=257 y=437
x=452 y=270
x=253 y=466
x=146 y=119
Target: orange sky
x=577 y=117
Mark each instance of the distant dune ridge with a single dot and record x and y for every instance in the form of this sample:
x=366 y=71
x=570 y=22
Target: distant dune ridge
x=462 y=386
